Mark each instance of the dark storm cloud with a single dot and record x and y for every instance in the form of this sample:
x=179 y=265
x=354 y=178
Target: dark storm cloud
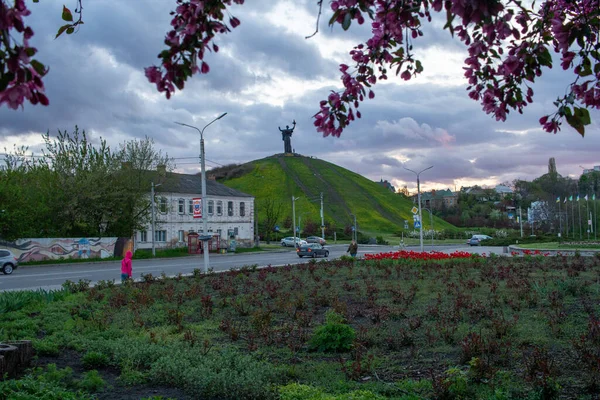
x=96 y=81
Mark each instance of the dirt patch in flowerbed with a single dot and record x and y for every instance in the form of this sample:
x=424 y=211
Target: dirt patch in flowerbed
x=394 y=325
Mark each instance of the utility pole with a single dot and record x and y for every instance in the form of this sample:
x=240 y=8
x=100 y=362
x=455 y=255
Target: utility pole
x=521 y=221
x=294 y=216
x=322 y=219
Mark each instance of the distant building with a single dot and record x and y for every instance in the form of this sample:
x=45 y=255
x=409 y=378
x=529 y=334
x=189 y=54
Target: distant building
x=436 y=199
x=230 y=213
x=595 y=169
x=387 y=185
x=503 y=190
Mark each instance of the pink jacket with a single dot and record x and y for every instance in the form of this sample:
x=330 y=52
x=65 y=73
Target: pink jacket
x=126 y=264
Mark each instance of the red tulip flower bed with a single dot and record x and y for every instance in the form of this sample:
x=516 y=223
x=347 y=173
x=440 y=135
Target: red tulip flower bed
x=417 y=255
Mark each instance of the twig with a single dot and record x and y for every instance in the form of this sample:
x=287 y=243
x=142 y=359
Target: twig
x=320 y=2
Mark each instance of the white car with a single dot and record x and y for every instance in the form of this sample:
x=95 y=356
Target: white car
x=289 y=241
x=8 y=262
x=477 y=239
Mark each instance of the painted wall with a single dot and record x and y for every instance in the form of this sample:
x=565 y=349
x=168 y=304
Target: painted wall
x=57 y=248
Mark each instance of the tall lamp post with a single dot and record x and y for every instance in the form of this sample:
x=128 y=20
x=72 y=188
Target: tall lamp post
x=419 y=201
x=206 y=237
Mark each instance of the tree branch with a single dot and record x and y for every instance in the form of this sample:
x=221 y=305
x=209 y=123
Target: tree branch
x=320 y=2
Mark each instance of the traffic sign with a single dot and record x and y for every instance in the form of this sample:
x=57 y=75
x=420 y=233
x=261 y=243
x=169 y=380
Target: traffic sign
x=416 y=218
x=414 y=210
x=417 y=224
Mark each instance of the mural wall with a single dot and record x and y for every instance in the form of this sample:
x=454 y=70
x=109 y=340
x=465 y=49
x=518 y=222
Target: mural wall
x=54 y=249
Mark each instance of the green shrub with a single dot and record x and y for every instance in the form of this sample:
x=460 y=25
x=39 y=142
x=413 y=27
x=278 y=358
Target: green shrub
x=296 y=391
x=94 y=359
x=92 y=382
x=30 y=388
x=46 y=347
x=334 y=335
x=224 y=374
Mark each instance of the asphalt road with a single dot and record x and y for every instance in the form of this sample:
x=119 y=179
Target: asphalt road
x=53 y=276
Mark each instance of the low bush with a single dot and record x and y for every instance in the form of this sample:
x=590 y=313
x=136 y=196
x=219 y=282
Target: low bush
x=334 y=335
x=92 y=382
x=94 y=359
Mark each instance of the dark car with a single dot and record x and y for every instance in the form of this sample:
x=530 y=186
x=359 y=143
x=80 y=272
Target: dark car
x=316 y=239
x=312 y=250
x=8 y=262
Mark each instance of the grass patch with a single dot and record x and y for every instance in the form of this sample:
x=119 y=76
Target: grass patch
x=474 y=328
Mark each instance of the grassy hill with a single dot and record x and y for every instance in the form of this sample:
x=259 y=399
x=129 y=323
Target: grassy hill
x=280 y=177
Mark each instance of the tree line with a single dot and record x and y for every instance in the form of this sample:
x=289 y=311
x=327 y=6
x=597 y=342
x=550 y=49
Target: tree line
x=77 y=189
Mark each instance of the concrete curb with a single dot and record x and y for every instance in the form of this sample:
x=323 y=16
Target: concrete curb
x=553 y=252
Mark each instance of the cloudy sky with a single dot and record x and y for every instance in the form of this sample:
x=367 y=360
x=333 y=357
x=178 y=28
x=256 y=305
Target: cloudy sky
x=266 y=75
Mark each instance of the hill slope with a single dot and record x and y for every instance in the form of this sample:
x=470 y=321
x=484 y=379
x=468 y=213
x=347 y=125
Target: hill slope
x=280 y=177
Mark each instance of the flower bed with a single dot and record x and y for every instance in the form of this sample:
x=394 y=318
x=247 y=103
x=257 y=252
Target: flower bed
x=417 y=255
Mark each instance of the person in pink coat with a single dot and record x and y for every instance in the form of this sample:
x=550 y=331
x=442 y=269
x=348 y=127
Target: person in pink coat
x=126 y=266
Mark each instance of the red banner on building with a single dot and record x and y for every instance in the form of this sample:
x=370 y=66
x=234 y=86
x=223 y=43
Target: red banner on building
x=197 y=207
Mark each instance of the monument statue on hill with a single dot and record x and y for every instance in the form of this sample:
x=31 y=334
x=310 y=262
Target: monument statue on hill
x=286 y=136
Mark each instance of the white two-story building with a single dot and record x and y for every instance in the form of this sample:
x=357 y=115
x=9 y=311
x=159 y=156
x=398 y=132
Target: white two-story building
x=230 y=213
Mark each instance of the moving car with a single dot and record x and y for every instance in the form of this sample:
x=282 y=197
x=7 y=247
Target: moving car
x=477 y=239
x=8 y=262
x=316 y=239
x=289 y=241
x=312 y=250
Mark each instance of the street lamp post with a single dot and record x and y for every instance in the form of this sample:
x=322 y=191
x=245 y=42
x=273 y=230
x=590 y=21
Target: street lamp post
x=205 y=237
x=419 y=201
x=294 y=217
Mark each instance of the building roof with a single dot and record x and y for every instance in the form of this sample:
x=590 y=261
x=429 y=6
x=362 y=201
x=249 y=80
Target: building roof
x=437 y=194
x=183 y=183
x=503 y=189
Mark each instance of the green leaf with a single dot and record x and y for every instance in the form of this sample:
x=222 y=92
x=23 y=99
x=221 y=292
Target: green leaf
x=347 y=21
x=70 y=30
x=334 y=17
x=61 y=30
x=66 y=14
x=38 y=66
x=544 y=58
x=584 y=115
x=4 y=80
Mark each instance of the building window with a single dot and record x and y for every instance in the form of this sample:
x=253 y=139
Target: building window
x=162 y=204
x=160 y=236
x=181 y=206
x=180 y=236
x=219 y=207
x=219 y=232
x=230 y=208
x=211 y=207
x=235 y=231
x=191 y=207
x=143 y=236
x=242 y=209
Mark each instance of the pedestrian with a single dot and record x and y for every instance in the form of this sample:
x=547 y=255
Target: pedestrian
x=352 y=249
x=126 y=267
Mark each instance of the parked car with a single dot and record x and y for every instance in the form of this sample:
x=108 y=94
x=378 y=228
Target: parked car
x=316 y=239
x=312 y=250
x=477 y=239
x=289 y=241
x=8 y=262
